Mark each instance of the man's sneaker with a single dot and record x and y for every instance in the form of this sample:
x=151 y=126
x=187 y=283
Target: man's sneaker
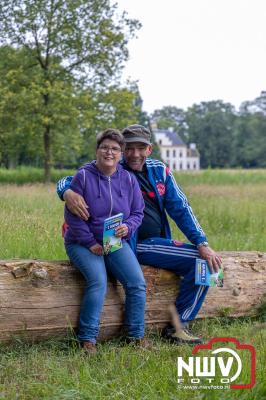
x=89 y=348
x=182 y=336
x=168 y=331
x=140 y=342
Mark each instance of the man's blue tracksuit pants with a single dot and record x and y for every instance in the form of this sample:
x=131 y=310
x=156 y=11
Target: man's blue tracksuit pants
x=178 y=257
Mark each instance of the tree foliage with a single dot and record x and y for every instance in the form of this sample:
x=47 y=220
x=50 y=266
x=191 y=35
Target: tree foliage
x=210 y=125
x=224 y=137
x=23 y=114
x=77 y=114
x=171 y=117
x=59 y=86
x=17 y=96
x=115 y=107
x=249 y=141
x=71 y=43
x=250 y=134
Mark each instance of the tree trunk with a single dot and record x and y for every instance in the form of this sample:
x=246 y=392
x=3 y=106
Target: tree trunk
x=47 y=144
x=47 y=154
x=41 y=299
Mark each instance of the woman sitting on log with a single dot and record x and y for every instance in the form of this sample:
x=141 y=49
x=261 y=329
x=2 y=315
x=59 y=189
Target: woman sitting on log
x=108 y=190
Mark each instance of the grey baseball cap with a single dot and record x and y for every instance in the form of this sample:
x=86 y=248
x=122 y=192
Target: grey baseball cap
x=137 y=133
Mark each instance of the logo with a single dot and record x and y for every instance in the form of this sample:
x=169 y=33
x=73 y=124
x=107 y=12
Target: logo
x=228 y=366
x=177 y=243
x=161 y=188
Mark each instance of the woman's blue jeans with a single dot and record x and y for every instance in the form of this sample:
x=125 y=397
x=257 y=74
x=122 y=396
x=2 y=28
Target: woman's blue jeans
x=123 y=265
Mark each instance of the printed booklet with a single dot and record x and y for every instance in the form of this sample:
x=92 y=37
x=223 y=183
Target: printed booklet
x=205 y=278
x=110 y=241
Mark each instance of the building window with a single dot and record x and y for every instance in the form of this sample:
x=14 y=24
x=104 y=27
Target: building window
x=173 y=153
x=181 y=166
x=195 y=166
x=160 y=141
x=188 y=166
x=174 y=166
x=167 y=153
x=180 y=154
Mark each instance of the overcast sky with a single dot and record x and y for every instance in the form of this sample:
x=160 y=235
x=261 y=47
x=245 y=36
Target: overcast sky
x=189 y=51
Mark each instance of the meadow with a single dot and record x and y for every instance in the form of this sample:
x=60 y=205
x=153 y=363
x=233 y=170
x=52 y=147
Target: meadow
x=231 y=207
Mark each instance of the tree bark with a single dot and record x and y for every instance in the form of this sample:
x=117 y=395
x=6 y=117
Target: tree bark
x=47 y=143
x=41 y=299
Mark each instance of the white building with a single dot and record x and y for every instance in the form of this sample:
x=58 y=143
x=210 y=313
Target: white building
x=174 y=151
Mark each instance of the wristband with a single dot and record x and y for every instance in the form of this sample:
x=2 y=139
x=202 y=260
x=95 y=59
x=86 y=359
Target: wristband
x=205 y=244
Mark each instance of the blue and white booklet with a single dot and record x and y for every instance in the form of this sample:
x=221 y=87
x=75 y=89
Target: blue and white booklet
x=204 y=277
x=111 y=243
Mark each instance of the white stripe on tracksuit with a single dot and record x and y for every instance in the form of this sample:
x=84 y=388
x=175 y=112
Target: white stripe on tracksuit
x=155 y=164
x=61 y=184
x=179 y=251
x=185 y=204
x=174 y=251
x=189 y=310
x=159 y=252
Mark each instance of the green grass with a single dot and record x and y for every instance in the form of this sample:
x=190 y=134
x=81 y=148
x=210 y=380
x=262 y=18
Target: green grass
x=222 y=177
x=233 y=214
x=233 y=217
x=57 y=370
x=22 y=175
x=30 y=219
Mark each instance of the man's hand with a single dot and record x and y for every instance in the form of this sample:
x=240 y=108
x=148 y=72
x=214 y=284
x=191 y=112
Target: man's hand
x=76 y=204
x=209 y=255
x=97 y=249
x=121 y=231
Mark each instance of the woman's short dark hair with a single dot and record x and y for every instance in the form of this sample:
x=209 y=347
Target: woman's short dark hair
x=112 y=134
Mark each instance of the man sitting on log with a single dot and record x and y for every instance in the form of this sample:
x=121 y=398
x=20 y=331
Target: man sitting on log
x=153 y=243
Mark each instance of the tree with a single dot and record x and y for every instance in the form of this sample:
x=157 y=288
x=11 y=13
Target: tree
x=72 y=41
x=250 y=140
x=113 y=107
x=254 y=106
x=143 y=119
x=17 y=95
x=211 y=126
x=171 y=117
x=250 y=134
x=21 y=111
x=79 y=114
x=116 y=107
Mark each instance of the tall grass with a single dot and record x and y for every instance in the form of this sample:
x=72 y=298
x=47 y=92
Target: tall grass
x=222 y=177
x=233 y=217
x=30 y=218
x=22 y=175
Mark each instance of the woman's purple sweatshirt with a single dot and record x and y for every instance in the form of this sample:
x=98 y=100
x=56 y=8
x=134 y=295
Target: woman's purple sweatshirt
x=105 y=196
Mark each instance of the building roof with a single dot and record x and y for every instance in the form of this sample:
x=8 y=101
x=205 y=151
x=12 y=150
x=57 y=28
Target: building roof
x=173 y=136
x=192 y=153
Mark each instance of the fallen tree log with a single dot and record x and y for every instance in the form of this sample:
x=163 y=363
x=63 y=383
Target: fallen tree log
x=41 y=299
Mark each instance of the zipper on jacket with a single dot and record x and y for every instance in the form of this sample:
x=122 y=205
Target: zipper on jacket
x=111 y=197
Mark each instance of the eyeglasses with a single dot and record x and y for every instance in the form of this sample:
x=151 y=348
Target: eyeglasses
x=113 y=150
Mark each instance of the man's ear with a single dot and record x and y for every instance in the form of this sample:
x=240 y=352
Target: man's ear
x=149 y=150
